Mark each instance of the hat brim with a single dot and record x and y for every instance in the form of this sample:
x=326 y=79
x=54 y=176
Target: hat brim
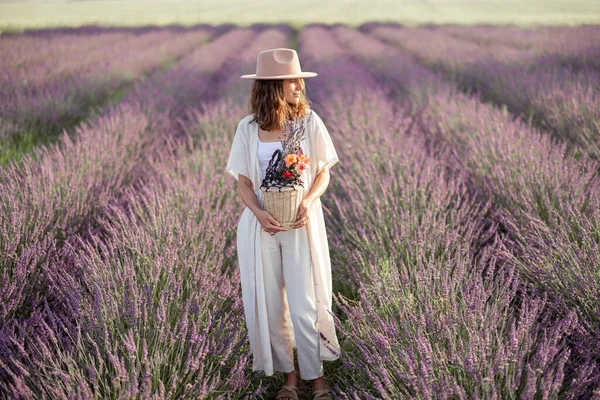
x=298 y=75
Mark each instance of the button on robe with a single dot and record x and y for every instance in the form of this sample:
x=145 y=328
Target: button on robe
x=243 y=160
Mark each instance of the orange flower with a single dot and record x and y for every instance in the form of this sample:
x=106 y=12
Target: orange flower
x=304 y=158
x=300 y=167
x=290 y=159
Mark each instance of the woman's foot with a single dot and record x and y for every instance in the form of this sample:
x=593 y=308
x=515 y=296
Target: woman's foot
x=319 y=383
x=320 y=389
x=291 y=379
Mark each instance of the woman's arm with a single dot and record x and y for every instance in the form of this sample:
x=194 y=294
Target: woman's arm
x=247 y=194
x=319 y=185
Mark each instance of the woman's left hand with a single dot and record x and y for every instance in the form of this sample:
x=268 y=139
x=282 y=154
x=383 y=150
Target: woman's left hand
x=303 y=212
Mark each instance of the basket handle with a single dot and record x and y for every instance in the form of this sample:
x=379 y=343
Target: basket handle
x=272 y=168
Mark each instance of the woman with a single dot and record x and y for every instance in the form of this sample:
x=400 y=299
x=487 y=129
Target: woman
x=285 y=273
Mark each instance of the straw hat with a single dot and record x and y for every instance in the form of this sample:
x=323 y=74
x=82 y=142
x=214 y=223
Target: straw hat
x=278 y=64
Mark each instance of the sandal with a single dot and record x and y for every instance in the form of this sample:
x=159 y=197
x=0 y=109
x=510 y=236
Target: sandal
x=291 y=392
x=321 y=394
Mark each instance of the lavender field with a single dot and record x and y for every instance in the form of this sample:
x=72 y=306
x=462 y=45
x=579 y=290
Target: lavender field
x=463 y=218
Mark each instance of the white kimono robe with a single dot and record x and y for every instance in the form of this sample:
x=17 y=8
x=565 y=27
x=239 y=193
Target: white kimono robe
x=243 y=160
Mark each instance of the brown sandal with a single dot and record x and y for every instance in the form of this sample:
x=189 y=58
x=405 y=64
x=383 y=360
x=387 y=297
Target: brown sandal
x=291 y=392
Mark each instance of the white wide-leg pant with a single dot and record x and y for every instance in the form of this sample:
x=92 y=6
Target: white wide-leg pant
x=286 y=262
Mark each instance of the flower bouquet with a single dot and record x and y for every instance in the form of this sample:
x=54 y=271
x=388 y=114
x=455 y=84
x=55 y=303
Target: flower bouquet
x=282 y=187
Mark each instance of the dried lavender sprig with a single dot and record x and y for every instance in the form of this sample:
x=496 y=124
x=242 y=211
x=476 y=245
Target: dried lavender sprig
x=297 y=130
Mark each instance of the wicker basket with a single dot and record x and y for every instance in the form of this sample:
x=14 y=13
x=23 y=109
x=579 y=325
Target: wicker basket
x=282 y=203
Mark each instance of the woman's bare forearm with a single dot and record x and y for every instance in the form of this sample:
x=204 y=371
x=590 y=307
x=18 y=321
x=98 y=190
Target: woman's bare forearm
x=319 y=186
x=249 y=197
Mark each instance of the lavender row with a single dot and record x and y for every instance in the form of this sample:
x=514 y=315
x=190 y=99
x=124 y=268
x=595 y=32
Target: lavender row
x=50 y=202
x=21 y=58
x=548 y=199
x=54 y=207
x=516 y=162
x=435 y=315
x=82 y=30
x=41 y=100
x=34 y=63
x=53 y=192
x=194 y=81
x=561 y=100
x=318 y=49
x=32 y=48
x=157 y=309
x=566 y=45
x=125 y=233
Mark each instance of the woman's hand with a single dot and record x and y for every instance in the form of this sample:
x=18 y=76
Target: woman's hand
x=303 y=212
x=268 y=223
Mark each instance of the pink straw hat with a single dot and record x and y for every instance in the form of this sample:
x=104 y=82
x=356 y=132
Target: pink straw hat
x=278 y=64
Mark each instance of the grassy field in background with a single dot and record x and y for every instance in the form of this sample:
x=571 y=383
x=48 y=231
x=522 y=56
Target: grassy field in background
x=16 y=15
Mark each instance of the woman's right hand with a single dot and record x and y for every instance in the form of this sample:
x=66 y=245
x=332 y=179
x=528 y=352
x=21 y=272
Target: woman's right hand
x=269 y=223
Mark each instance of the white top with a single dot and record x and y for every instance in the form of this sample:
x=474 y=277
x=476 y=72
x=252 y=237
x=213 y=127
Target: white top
x=265 y=152
x=317 y=145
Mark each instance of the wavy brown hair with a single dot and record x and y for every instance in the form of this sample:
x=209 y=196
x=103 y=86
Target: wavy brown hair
x=267 y=103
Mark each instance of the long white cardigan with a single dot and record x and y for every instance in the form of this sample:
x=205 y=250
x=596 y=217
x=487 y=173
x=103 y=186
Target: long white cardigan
x=243 y=160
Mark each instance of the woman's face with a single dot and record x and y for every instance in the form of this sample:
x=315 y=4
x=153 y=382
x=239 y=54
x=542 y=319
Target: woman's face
x=292 y=90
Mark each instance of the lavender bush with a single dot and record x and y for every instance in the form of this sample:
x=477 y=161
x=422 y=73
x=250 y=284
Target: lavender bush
x=564 y=45
x=412 y=342
x=560 y=99
x=42 y=220
x=536 y=174
x=56 y=90
x=155 y=300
